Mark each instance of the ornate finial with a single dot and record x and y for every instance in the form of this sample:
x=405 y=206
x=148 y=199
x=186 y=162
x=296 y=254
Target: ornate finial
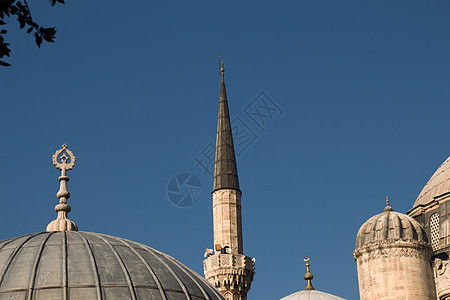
x=64 y=160
x=387 y=208
x=221 y=70
x=308 y=276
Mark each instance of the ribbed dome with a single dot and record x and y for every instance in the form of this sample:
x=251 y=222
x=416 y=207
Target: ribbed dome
x=390 y=225
x=438 y=184
x=89 y=266
x=311 y=295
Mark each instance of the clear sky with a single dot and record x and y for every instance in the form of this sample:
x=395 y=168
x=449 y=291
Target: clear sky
x=362 y=88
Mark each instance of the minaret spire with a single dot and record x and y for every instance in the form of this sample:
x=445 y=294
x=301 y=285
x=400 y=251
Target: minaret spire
x=225 y=170
x=63 y=163
x=226 y=267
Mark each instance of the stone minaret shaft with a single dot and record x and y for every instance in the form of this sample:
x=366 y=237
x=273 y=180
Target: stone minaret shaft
x=226 y=267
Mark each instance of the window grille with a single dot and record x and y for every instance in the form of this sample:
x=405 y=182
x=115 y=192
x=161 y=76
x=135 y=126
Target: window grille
x=434 y=229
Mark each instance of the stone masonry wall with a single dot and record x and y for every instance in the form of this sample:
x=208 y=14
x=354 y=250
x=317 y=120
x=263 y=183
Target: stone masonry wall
x=395 y=271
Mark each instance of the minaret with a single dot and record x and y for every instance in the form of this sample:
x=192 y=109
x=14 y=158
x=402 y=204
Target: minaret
x=226 y=267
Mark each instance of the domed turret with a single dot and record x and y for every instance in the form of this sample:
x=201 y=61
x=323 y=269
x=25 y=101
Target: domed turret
x=393 y=258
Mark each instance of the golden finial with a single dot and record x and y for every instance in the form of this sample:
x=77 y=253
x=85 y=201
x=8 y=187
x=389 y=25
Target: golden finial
x=388 y=207
x=221 y=70
x=308 y=276
x=64 y=160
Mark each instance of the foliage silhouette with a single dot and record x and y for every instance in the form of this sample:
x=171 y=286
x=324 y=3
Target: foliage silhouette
x=20 y=9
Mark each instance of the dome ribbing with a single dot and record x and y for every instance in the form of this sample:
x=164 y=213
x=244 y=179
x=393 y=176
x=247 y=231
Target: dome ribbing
x=439 y=184
x=390 y=225
x=85 y=265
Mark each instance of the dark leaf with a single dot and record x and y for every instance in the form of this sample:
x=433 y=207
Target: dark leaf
x=2 y=23
x=61 y=1
x=4 y=50
x=30 y=30
x=3 y=31
x=48 y=38
x=39 y=41
x=5 y=64
x=13 y=9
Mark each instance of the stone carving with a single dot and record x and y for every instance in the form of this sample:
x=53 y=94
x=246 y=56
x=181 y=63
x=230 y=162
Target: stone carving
x=439 y=266
x=231 y=274
x=442 y=278
x=63 y=160
x=394 y=248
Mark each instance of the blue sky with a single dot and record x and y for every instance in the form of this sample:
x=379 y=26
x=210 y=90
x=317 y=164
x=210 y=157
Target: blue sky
x=132 y=88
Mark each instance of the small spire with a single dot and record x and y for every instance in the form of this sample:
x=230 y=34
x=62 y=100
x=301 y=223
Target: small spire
x=308 y=276
x=388 y=207
x=64 y=160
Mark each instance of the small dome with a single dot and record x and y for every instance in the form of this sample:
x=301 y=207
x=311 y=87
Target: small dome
x=438 y=184
x=311 y=295
x=85 y=265
x=390 y=225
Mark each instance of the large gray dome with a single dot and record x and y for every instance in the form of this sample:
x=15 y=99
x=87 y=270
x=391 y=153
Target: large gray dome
x=85 y=266
x=390 y=225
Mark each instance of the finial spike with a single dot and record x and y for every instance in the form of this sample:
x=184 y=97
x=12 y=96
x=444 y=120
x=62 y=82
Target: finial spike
x=388 y=207
x=222 y=70
x=308 y=276
x=64 y=160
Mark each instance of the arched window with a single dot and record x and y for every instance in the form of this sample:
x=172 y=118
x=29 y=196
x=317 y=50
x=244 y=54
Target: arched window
x=434 y=229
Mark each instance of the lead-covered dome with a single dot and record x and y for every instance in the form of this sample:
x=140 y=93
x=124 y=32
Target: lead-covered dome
x=390 y=225
x=89 y=266
x=439 y=184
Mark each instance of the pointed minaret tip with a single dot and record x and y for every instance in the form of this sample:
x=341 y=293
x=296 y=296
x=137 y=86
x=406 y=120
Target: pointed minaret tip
x=64 y=160
x=225 y=170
